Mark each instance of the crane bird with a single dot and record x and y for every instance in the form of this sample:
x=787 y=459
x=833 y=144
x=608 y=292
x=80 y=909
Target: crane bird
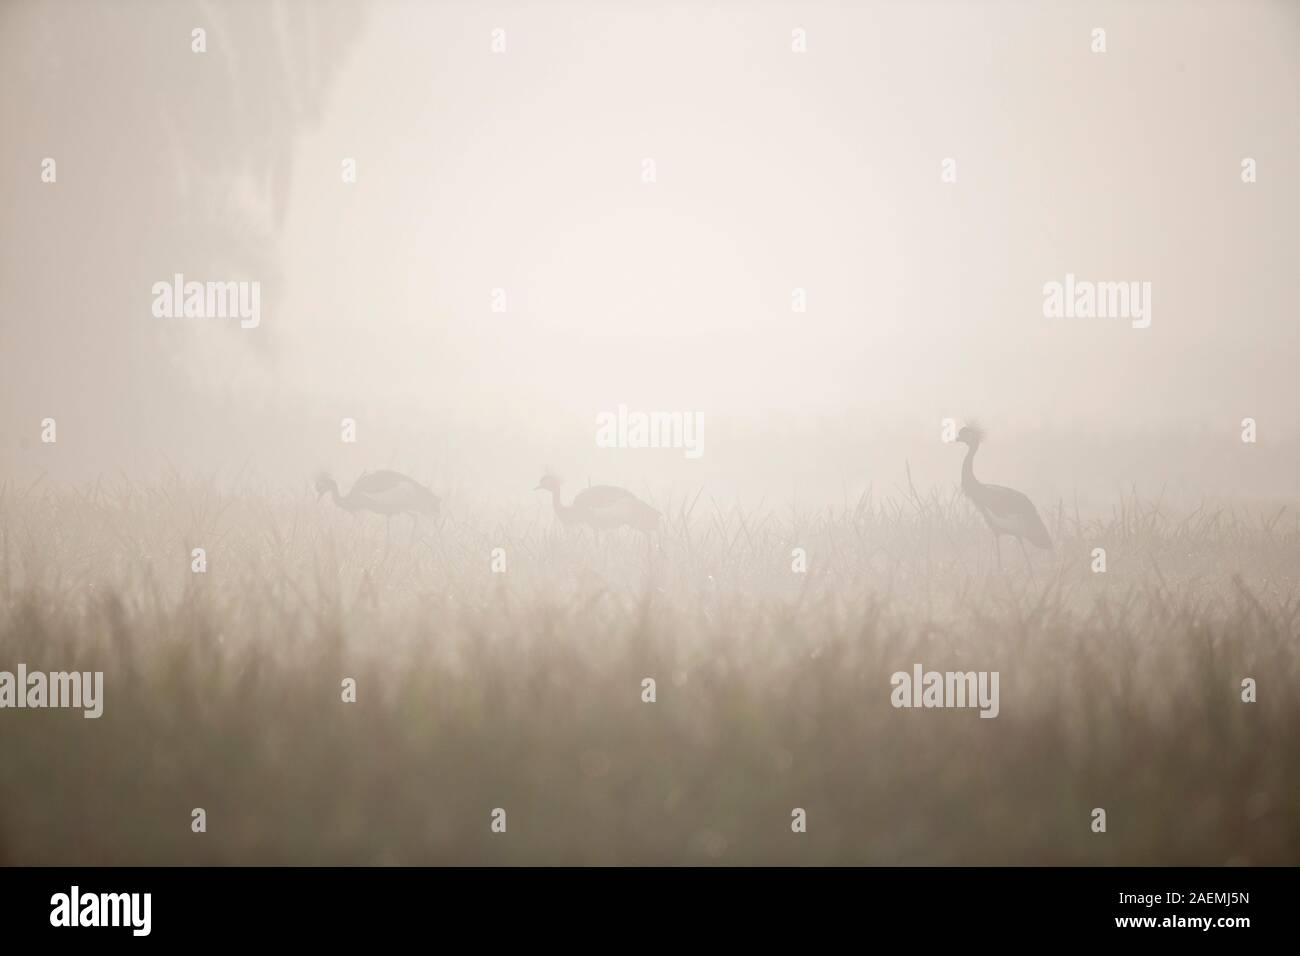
x=384 y=492
x=601 y=507
x=1006 y=510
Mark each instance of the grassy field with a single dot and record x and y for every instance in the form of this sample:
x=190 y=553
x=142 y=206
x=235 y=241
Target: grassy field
x=522 y=690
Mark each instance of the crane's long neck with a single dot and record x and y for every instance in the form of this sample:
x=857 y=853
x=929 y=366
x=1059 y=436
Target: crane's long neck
x=968 y=479
x=562 y=511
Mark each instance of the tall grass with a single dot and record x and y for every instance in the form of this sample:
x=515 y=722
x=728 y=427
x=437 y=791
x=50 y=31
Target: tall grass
x=522 y=690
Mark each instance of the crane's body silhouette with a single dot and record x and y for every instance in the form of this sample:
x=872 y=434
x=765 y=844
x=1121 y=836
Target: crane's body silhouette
x=383 y=492
x=602 y=507
x=1006 y=510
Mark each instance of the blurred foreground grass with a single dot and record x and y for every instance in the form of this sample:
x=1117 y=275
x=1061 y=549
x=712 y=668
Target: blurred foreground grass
x=522 y=690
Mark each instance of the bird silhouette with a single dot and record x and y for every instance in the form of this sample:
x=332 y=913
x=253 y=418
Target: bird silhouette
x=1006 y=510
x=601 y=507
x=383 y=492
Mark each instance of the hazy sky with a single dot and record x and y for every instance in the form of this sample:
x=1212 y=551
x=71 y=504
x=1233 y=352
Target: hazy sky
x=523 y=171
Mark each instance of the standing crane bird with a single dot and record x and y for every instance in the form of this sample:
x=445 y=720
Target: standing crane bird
x=1006 y=510
x=601 y=507
x=384 y=492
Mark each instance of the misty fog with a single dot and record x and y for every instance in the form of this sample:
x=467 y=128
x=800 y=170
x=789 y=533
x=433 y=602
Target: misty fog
x=523 y=172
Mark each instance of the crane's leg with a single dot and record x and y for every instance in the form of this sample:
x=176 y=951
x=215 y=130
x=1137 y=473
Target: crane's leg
x=1025 y=552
